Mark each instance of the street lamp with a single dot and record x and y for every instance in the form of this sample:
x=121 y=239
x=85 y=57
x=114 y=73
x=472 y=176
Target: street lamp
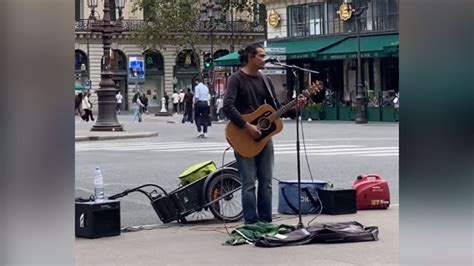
x=107 y=117
x=120 y=4
x=212 y=12
x=346 y=9
x=92 y=5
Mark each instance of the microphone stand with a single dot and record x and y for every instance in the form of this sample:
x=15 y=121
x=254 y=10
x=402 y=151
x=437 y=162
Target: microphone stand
x=297 y=88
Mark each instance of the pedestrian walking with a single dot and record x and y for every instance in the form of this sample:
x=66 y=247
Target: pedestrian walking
x=167 y=98
x=188 y=107
x=175 y=98
x=78 y=105
x=87 y=107
x=137 y=104
x=144 y=100
x=181 y=101
x=201 y=107
x=219 y=112
x=119 y=98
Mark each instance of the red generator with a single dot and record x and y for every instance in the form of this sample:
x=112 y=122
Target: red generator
x=371 y=192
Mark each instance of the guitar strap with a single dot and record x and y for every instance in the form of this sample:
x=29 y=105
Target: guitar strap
x=267 y=84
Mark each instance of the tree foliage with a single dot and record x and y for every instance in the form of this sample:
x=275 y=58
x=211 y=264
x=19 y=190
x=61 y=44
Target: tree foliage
x=178 y=19
x=168 y=17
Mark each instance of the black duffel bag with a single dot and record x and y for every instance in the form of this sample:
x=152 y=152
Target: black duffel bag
x=322 y=233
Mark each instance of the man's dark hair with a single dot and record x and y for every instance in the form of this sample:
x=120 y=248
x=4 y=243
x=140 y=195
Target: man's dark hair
x=249 y=50
x=198 y=79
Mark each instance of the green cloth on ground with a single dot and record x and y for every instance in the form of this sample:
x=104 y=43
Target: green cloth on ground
x=249 y=233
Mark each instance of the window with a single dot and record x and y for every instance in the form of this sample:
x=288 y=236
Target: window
x=78 y=10
x=322 y=18
x=306 y=20
x=113 y=10
x=297 y=21
x=316 y=19
x=260 y=13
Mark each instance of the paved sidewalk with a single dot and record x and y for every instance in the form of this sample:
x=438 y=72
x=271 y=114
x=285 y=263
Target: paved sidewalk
x=200 y=244
x=131 y=130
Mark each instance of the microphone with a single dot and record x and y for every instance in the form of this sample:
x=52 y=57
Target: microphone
x=272 y=60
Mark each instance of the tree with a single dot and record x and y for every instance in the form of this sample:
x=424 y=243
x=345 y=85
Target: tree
x=178 y=19
x=169 y=18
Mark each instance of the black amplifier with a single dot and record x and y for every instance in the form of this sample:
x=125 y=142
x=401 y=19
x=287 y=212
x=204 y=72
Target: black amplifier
x=97 y=219
x=338 y=200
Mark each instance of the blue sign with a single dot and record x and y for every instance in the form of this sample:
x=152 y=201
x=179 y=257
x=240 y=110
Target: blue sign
x=87 y=84
x=136 y=68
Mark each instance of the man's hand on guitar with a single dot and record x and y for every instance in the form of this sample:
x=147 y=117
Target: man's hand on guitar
x=252 y=130
x=302 y=100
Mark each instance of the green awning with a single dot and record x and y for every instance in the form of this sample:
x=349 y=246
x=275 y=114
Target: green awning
x=370 y=47
x=231 y=59
x=295 y=49
x=304 y=48
x=78 y=87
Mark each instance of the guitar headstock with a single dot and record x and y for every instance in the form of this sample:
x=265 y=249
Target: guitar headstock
x=315 y=87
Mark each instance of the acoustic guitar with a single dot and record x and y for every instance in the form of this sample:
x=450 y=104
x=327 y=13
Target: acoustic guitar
x=267 y=121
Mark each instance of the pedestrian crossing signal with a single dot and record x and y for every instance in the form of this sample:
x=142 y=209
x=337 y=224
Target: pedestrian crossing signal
x=207 y=60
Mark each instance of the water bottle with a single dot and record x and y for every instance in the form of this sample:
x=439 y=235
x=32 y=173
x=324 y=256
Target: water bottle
x=98 y=185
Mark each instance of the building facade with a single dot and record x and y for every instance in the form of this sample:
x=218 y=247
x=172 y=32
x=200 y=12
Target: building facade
x=315 y=36
x=168 y=66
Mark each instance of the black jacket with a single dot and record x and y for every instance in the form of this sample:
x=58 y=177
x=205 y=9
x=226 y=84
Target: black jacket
x=245 y=93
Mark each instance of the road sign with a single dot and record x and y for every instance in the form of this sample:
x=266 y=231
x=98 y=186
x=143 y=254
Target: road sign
x=273 y=71
x=280 y=57
x=270 y=65
x=136 y=68
x=275 y=50
x=87 y=84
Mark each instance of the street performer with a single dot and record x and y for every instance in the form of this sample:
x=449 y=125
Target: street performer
x=246 y=91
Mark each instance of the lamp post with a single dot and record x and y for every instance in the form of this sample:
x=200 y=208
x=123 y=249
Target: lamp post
x=346 y=12
x=361 y=115
x=92 y=5
x=212 y=12
x=107 y=117
x=120 y=4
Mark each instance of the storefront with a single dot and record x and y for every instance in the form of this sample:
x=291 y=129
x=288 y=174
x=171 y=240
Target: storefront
x=335 y=58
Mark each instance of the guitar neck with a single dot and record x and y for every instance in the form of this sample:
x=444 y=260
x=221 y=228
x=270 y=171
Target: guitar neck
x=282 y=110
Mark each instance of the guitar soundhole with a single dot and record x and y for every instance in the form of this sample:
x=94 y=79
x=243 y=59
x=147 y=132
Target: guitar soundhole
x=264 y=123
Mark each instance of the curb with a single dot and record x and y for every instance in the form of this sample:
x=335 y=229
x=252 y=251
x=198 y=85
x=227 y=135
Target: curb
x=129 y=136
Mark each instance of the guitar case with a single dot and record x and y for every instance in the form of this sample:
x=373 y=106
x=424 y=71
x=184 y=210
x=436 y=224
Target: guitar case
x=322 y=233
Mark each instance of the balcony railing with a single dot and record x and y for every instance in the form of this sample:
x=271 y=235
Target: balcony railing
x=338 y=26
x=131 y=25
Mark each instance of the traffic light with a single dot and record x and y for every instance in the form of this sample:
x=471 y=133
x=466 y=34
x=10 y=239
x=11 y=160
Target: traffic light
x=207 y=60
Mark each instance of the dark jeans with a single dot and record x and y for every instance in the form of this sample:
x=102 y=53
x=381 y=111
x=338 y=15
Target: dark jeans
x=188 y=114
x=201 y=116
x=259 y=168
x=87 y=114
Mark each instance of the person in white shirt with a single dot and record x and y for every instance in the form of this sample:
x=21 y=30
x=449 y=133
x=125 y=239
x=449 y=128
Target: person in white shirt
x=201 y=106
x=181 y=101
x=219 y=105
x=87 y=107
x=119 y=98
x=175 y=98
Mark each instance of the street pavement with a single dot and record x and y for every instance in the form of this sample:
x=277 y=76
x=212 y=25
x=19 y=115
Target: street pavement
x=336 y=152
x=201 y=244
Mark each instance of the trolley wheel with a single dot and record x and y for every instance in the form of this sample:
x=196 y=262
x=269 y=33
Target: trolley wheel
x=228 y=208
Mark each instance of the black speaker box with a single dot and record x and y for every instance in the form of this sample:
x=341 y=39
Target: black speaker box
x=338 y=200
x=94 y=219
